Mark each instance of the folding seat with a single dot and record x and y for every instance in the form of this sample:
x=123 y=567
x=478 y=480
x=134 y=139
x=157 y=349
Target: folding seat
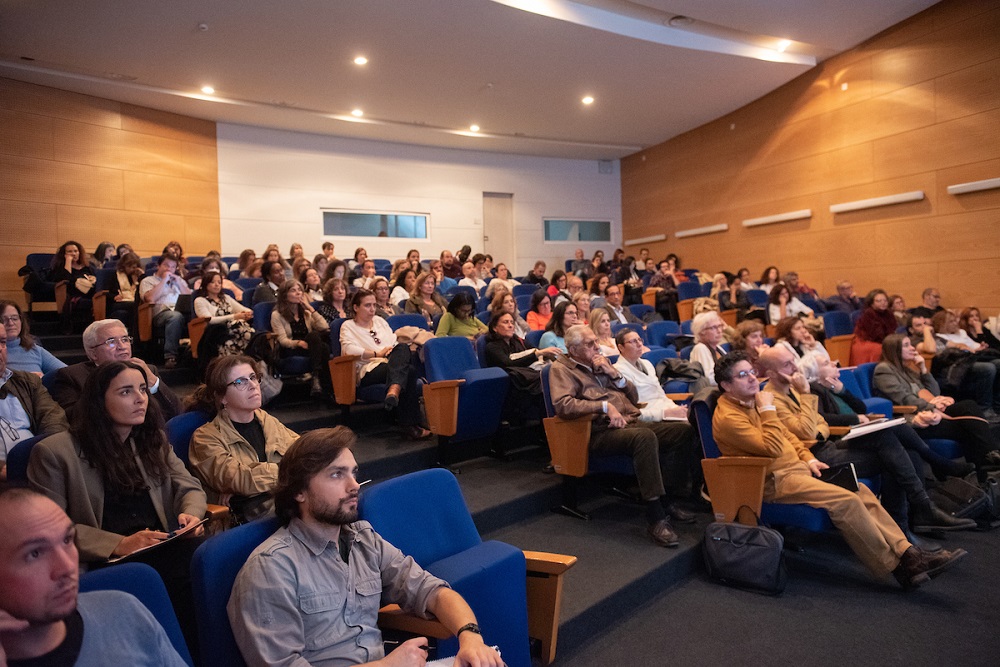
x=757 y=297
x=641 y=310
x=662 y=333
x=525 y=289
x=618 y=326
x=100 y=298
x=839 y=336
x=343 y=376
x=286 y=366
x=407 y=320
x=533 y=338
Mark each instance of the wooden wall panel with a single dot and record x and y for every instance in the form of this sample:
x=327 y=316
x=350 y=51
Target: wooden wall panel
x=91 y=170
x=921 y=112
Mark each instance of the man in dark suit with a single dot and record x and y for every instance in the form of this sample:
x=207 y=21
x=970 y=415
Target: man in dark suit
x=618 y=312
x=106 y=341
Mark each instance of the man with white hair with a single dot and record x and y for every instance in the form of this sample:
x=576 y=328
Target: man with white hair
x=583 y=383
x=105 y=341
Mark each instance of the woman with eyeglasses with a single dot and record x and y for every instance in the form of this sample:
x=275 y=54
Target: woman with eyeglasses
x=380 y=360
x=118 y=479
x=301 y=332
x=210 y=301
x=384 y=307
x=236 y=455
x=707 y=329
x=461 y=320
x=23 y=351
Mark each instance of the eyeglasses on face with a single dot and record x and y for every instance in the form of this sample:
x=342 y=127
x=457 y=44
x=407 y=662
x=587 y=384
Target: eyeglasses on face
x=243 y=384
x=10 y=319
x=743 y=375
x=115 y=343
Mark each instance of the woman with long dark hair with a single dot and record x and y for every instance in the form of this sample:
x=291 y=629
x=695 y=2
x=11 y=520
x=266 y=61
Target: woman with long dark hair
x=71 y=264
x=118 y=479
x=506 y=350
x=902 y=377
x=23 y=351
x=563 y=317
x=381 y=359
x=301 y=331
x=210 y=301
x=461 y=320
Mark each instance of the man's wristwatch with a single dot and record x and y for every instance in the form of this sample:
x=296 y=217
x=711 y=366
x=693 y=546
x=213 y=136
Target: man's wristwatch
x=471 y=627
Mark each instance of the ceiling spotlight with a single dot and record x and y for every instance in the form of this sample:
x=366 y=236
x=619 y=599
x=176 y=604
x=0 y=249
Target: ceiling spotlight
x=361 y=60
x=357 y=113
x=680 y=21
x=473 y=128
x=588 y=100
x=784 y=44
x=208 y=90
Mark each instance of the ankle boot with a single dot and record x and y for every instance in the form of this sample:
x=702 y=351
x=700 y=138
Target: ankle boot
x=392 y=396
x=929 y=517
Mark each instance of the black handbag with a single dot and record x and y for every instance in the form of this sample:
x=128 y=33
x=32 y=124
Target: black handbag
x=747 y=557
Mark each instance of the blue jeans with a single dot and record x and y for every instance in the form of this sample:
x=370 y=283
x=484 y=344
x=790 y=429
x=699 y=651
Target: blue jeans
x=172 y=324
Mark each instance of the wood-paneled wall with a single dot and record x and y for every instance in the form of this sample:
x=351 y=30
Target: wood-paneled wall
x=75 y=167
x=915 y=108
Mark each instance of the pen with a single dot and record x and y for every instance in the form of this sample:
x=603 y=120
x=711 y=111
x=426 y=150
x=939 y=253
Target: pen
x=364 y=482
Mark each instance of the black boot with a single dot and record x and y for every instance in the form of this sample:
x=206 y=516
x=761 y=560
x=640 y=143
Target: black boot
x=929 y=518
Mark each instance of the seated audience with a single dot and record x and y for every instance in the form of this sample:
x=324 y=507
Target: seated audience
x=254 y=269
x=449 y=267
x=320 y=262
x=880 y=453
x=384 y=307
x=505 y=303
x=769 y=279
x=628 y=277
x=236 y=455
x=406 y=279
x=356 y=265
x=537 y=275
x=598 y=286
x=383 y=360
x=272 y=254
x=334 y=306
x=798 y=288
x=782 y=303
x=580 y=267
x=899 y=309
x=106 y=341
x=118 y=479
x=876 y=322
x=797 y=339
x=104 y=256
x=563 y=317
x=617 y=257
x=162 y=289
x=328 y=250
x=336 y=269
x=71 y=264
x=502 y=281
x=26 y=409
x=425 y=299
x=506 y=350
x=45 y=620
x=748 y=337
x=746 y=283
x=460 y=319
x=174 y=248
x=845 y=300
x=23 y=351
x=558 y=289
x=316 y=501
x=597 y=263
x=584 y=384
x=746 y=423
x=730 y=297
x=214 y=265
x=122 y=291
x=708 y=329
x=600 y=324
x=540 y=310
x=295 y=252
x=273 y=274
x=472 y=278
x=935 y=418
x=311 y=283
x=221 y=309
x=931 y=303
x=413 y=259
x=971 y=322
x=664 y=282
x=366 y=274
x=955 y=348
x=246 y=258
x=301 y=332
x=620 y=313
x=654 y=405
x=582 y=302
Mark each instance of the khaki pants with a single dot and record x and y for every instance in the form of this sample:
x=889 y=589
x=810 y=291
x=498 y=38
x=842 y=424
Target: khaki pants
x=866 y=526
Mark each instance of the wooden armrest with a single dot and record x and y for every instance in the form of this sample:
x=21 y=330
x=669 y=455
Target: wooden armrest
x=342 y=379
x=60 y=290
x=569 y=444
x=680 y=397
x=196 y=329
x=441 y=406
x=649 y=296
x=904 y=409
x=685 y=309
x=100 y=305
x=548 y=563
x=145 y=318
x=392 y=617
x=839 y=348
x=735 y=481
x=729 y=317
x=840 y=430
x=217 y=512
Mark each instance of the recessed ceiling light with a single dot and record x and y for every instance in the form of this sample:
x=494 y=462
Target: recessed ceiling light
x=208 y=90
x=357 y=113
x=361 y=60
x=784 y=44
x=588 y=100
x=473 y=128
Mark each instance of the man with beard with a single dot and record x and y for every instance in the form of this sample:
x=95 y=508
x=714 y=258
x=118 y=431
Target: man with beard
x=310 y=593
x=43 y=618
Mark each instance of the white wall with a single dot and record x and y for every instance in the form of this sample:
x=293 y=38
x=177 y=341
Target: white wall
x=272 y=185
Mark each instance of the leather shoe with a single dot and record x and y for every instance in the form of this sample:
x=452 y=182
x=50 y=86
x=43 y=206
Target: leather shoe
x=392 y=396
x=940 y=561
x=925 y=544
x=931 y=518
x=418 y=433
x=679 y=514
x=917 y=567
x=662 y=534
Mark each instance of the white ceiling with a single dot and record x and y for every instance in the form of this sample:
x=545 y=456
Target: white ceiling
x=435 y=66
